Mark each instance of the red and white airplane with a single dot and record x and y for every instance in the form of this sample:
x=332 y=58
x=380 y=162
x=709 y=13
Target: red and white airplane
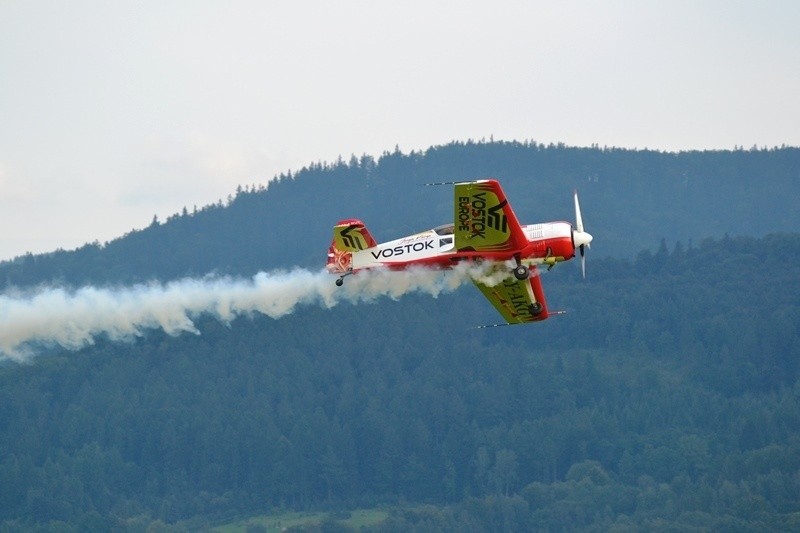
x=484 y=228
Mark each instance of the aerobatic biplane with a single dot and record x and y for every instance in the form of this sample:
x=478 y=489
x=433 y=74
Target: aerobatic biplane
x=484 y=228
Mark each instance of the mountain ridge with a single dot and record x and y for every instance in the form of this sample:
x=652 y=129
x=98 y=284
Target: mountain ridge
x=631 y=200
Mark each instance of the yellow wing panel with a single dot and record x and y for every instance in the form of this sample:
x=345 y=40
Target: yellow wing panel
x=484 y=220
x=518 y=301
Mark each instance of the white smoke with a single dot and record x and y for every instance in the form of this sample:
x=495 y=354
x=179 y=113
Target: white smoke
x=73 y=318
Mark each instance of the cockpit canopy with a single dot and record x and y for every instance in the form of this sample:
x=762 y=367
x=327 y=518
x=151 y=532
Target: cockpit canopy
x=444 y=229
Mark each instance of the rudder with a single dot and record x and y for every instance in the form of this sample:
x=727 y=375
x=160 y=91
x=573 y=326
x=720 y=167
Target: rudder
x=350 y=235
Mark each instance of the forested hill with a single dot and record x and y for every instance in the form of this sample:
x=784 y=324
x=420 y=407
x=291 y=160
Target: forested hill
x=668 y=399
x=630 y=199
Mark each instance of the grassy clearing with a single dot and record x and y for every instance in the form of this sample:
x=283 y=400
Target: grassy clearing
x=365 y=517
x=277 y=522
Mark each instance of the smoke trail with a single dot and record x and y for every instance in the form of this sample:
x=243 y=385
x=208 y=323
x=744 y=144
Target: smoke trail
x=57 y=316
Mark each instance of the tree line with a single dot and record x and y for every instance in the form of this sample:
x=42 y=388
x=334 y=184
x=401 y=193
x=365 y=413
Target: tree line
x=630 y=198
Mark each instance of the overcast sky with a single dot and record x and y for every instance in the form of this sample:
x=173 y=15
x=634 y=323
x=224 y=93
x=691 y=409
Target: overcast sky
x=113 y=111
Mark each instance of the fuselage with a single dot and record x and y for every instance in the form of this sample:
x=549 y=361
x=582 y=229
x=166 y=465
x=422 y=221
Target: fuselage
x=548 y=243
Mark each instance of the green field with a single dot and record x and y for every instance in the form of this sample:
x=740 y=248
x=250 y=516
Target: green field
x=281 y=521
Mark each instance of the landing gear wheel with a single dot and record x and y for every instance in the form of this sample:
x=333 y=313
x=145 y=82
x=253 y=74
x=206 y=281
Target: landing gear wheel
x=535 y=308
x=521 y=272
x=340 y=280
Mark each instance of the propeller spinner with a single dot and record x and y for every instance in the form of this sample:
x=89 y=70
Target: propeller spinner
x=580 y=239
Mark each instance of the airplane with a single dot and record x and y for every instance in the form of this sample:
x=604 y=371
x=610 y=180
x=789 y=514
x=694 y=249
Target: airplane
x=484 y=228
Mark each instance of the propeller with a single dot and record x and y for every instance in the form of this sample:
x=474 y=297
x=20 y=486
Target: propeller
x=580 y=239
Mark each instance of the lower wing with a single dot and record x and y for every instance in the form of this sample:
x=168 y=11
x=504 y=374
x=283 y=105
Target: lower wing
x=518 y=301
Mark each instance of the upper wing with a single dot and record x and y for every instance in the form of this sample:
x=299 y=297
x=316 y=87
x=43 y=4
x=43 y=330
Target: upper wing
x=484 y=220
x=517 y=299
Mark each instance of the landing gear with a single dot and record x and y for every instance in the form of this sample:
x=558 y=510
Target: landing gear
x=535 y=308
x=521 y=272
x=340 y=279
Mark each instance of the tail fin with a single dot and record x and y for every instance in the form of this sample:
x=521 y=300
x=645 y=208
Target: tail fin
x=349 y=236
